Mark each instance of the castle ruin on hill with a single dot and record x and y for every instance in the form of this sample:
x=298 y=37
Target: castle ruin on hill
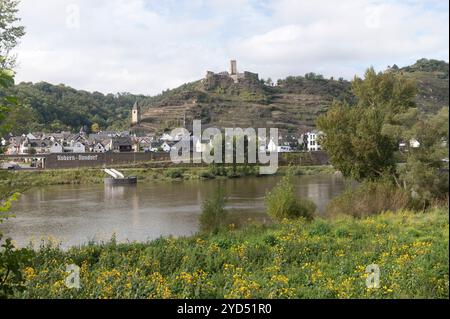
x=232 y=74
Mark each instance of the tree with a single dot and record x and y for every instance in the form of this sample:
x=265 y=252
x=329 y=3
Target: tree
x=359 y=137
x=10 y=33
x=426 y=171
x=6 y=102
x=281 y=202
x=9 y=36
x=95 y=128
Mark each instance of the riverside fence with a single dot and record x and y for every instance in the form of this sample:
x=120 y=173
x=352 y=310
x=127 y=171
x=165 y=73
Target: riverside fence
x=85 y=160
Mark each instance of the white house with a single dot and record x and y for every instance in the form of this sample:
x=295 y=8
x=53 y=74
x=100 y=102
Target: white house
x=414 y=143
x=30 y=136
x=166 y=147
x=38 y=146
x=99 y=148
x=312 y=141
x=75 y=147
x=144 y=143
x=56 y=147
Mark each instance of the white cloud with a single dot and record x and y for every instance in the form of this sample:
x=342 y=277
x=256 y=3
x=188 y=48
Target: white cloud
x=147 y=46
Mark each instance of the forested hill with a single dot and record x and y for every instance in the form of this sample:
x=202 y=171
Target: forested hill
x=292 y=105
x=431 y=77
x=47 y=107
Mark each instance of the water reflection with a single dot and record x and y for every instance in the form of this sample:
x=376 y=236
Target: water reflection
x=75 y=214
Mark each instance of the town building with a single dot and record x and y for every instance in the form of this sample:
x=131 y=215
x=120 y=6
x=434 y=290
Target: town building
x=136 y=114
x=311 y=141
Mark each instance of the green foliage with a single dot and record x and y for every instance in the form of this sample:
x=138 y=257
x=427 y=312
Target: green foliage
x=95 y=128
x=10 y=32
x=369 y=198
x=6 y=102
x=214 y=215
x=426 y=172
x=315 y=84
x=355 y=136
x=12 y=262
x=428 y=65
x=175 y=173
x=206 y=174
x=58 y=107
x=5 y=204
x=281 y=202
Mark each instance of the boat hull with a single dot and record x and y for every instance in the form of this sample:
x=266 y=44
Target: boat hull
x=121 y=181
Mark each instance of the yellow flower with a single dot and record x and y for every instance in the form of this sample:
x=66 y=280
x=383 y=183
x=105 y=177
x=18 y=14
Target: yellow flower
x=280 y=279
x=30 y=274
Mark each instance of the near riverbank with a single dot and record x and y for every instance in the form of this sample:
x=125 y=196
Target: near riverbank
x=294 y=259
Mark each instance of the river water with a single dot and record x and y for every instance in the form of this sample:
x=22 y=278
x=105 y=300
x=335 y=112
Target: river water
x=76 y=214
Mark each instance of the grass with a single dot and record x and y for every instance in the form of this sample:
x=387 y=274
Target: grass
x=18 y=179
x=294 y=259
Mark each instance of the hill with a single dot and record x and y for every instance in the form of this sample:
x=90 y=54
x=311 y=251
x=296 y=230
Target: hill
x=292 y=104
x=431 y=77
x=47 y=107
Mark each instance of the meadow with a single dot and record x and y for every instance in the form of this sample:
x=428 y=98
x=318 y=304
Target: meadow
x=322 y=258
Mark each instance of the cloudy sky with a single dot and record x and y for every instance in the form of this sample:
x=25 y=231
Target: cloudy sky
x=145 y=46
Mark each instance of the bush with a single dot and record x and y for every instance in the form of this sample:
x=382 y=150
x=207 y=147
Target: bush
x=213 y=212
x=369 y=198
x=206 y=175
x=218 y=170
x=281 y=202
x=175 y=173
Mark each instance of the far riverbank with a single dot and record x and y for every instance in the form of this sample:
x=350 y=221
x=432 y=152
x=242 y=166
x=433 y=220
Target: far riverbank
x=30 y=178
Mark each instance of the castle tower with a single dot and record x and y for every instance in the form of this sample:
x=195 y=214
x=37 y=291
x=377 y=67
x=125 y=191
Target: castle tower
x=136 y=114
x=233 y=67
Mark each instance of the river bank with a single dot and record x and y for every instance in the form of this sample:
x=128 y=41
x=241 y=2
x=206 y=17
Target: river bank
x=29 y=178
x=295 y=259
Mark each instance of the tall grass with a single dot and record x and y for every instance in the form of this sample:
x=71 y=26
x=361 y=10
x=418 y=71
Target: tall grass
x=281 y=202
x=369 y=198
x=214 y=215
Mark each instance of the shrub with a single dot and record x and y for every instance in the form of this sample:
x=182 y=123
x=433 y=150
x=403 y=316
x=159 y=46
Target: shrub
x=213 y=212
x=369 y=198
x=281 y=202
x=174 y=173
x=206 y=175
x=218 y=170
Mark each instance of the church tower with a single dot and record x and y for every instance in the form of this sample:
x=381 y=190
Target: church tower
x=136 y=114
x=233 y=68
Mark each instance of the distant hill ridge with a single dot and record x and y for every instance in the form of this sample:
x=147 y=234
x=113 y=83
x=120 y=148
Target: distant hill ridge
x=292 y=105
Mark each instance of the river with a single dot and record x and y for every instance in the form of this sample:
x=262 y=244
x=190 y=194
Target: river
x=76 y=214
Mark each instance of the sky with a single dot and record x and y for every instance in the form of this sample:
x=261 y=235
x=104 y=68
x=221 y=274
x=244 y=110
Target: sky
x=146 y=46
